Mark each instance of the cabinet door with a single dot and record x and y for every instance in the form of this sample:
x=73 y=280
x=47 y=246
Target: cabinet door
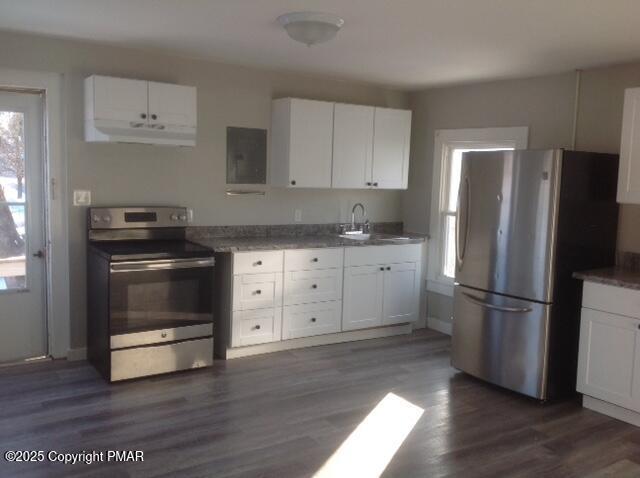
x=391 y=138
x=173 y=105
x=629 y=172
x=310 y=143
x=400 y=299
x=352 y=146
x=608 y=345
x=119 y=99
x=362 y=299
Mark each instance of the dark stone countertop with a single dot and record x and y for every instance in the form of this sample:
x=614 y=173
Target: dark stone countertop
x=615 y=276
x=242 y=244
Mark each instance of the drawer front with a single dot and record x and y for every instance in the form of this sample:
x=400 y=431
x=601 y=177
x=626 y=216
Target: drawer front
x=303 y=287
x=371 y=255
x=252 y=327
x=309 y=259
x=311 y=319
x=257 y=291
x=616 y=300
x=161 y=335
x=156 y=359
x=257 y=262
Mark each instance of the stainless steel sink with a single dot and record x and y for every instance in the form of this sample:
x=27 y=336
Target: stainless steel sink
x=356 y=237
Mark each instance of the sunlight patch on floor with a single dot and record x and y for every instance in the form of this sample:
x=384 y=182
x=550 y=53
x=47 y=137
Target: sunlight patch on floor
x=371 y=446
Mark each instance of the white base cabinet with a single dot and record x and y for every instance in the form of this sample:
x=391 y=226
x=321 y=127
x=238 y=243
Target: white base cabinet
x=270 y=296
x=381 y=286
x=609 y=356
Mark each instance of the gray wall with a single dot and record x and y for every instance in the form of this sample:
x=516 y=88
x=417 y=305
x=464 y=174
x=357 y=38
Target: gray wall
x=546 y=106
x=119 y=174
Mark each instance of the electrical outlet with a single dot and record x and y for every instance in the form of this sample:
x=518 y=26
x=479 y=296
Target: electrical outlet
x=81 y=198
x=297 y=216
x=189 y=215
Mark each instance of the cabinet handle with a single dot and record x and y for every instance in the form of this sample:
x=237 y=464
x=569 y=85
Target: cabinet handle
x=368 y=183
x=259 y=263
x=314 y=286
x=258 y=292
x=154 y=117
x=143 y=115
x=382 y=268
x=388 y=268
x=163 y=335
x=257 y=327
x=375 y=184
x=313 y=319
x=315 y=259
x=293 y=183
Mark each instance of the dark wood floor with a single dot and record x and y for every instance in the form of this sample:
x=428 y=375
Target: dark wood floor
x=282 y=415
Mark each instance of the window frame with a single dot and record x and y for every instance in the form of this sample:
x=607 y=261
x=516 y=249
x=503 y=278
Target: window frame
x=445 y=141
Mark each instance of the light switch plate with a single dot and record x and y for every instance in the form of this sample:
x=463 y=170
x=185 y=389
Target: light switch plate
x=297 y=216
x=81 y=198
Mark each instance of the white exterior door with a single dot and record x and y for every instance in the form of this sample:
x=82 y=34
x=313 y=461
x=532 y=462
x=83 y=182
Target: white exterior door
x=22 y=238
x=362 y=301
x=391 y=141
x=352 y=146
x=399 y=302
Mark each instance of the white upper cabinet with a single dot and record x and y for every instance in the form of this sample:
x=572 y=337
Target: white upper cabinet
x=301 y=143
x=352 y=146
x=318 y=144
x=391 y=141
x=629 y=173
x=137 y=111
x=118 y=99
x=172 y=104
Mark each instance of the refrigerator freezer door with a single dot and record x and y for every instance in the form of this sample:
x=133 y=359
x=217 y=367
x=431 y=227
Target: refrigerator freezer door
x=506 y=222
x=501 y=340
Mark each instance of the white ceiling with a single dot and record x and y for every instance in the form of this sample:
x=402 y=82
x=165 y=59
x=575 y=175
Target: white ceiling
x=401 y=43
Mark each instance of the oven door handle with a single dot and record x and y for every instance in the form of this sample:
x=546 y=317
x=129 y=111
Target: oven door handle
x=162 y=264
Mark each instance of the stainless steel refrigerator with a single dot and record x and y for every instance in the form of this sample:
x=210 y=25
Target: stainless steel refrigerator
x=526 y=221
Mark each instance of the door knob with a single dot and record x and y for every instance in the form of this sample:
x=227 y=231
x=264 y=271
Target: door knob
x=38 y=254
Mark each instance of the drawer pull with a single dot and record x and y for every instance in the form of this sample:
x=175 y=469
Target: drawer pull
x=259 y=263
x=163 y=335
x=382 y=268
x=314 y=286
x=388 y=268
x=315 y=259
x=258 y=292
x=257 y=327
x=313 y=319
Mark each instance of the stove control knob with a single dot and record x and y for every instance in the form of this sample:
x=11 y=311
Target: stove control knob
x=173 y=217
x=106 y=218
x=96 y=218
x=183 y=217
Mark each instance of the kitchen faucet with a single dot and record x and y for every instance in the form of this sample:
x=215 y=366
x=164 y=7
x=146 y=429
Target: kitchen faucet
x=353 y=214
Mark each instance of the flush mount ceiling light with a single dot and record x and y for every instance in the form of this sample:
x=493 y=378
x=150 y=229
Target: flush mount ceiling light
x=311 y=28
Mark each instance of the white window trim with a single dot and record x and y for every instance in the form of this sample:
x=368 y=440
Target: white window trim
x=57 y=308
x=445 y=139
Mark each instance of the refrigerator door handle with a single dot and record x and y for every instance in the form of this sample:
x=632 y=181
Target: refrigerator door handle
x=460 y=250
x=487 y=305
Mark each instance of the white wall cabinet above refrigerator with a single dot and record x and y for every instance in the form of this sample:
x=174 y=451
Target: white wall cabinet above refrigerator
x=629 y=172
x=138 y=111
x=318 y=144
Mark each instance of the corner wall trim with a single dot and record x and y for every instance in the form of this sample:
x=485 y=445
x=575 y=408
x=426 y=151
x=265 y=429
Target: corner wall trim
x=74 y=355
x=444 y=326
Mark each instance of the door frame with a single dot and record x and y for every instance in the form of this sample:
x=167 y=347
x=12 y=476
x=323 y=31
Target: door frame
x=57 y=308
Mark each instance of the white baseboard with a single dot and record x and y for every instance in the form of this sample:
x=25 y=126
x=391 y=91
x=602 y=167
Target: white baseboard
x=611 y=410
x=440 y=325
x=336 y=338
x=77 y=354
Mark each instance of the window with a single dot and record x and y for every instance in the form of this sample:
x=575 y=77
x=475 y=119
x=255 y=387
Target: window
x=450 y=145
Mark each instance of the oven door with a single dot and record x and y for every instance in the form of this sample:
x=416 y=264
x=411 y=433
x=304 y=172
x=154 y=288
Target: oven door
x=160 y=294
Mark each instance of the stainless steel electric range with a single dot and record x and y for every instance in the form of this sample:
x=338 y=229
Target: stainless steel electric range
x=150 y=293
